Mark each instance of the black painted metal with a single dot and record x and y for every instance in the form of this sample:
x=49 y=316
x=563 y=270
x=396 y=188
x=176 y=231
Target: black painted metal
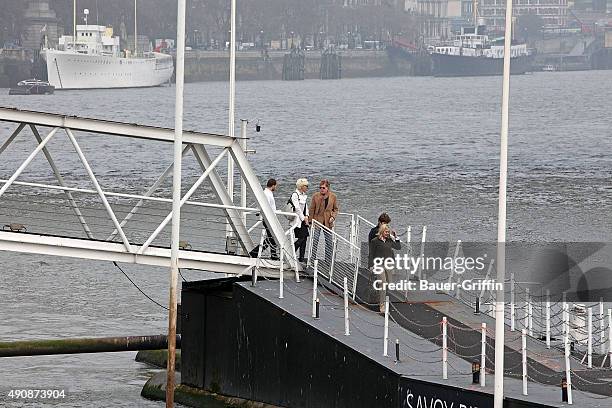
x=253 y=350
x=240 y=344
x=194 y=308
x=415 y=393
x=397 y=351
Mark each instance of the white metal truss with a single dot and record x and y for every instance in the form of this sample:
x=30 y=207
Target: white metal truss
x=112 y=251
x=235 y=219
x=61 y=182
x=126 y=251
x=106 y=127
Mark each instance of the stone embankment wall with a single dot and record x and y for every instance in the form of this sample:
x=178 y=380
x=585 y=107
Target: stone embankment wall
x=14 y=67
x=252 y=65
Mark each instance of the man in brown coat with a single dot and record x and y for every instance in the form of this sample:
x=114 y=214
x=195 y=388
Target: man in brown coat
x=323 y=209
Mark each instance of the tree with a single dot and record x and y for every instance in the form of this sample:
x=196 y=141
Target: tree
x=11 y=19
x=208 y=20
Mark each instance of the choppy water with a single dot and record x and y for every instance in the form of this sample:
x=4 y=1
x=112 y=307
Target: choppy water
x=423 y=149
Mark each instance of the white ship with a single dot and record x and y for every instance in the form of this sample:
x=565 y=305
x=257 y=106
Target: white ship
x=93 y=59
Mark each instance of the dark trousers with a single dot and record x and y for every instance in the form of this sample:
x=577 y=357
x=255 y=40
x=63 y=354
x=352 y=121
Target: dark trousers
x=300 y=244
x=329 y=243
x=269 y=242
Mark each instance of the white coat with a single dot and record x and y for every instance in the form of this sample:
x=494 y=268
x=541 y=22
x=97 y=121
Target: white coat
x=299 y=203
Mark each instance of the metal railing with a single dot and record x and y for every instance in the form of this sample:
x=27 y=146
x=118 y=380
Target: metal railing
x=356 y=228
x=338 y=257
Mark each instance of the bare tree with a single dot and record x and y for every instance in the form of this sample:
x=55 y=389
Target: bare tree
x=208 y=20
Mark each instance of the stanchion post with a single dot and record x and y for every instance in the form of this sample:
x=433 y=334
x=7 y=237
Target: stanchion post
x=590 y=337
x=333 y=257
x=512 y=304
x=281 y=274
x=444 y=348
x=314 y=288
x=547 y=319
x=352 y=238
x=526 y=310
x=565 y=321
x=568 y=377
x=409 y=252
x=530 y=313
x=243 y=184
x=476 y=372
x=310 y=245
x=346 y=315
x=602 y=327
x=397 y=351
x=483 y=355
x=386 y=332
x=524 y=355
x=423 y=238
x=610 y=336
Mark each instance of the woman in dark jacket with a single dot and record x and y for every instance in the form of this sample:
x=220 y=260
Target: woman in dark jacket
x=381 y=247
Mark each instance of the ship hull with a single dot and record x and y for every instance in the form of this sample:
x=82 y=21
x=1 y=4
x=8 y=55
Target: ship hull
x=458 y=65
x=67 y=70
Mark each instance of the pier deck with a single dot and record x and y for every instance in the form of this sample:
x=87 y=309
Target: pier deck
x=366 y=338
x=423 y=312
x=296 y=360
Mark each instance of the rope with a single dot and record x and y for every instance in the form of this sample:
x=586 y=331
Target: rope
x=140 y=290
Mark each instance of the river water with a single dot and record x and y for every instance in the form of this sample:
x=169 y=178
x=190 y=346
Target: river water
x=423 y=149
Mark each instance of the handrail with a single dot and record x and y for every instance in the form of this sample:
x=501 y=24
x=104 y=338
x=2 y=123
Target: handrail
x=371 y=224
x=286 y=214
x=334 y=233
x=158 y=199
x=257 y=224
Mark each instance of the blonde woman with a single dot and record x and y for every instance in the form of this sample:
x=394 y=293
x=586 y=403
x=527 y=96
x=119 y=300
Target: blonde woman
x=381 y=249
x=298 y=202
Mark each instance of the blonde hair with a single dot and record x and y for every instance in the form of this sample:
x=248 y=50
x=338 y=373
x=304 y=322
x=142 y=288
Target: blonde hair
x=301 y=182
x=382 y=229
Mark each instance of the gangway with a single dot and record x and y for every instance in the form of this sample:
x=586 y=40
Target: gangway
x=86 y=217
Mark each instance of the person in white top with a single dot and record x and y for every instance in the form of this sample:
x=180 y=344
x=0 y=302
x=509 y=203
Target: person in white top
x=301 y=223
x=269 y=192
x=270 y=242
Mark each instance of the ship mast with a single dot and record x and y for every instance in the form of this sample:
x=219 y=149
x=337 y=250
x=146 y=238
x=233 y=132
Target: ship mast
x=135 y=28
